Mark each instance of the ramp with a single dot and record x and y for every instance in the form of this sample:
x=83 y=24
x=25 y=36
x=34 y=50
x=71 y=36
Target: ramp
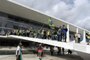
x=73 y=46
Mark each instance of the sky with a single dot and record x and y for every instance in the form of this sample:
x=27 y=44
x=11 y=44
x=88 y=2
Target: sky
x=73 y=11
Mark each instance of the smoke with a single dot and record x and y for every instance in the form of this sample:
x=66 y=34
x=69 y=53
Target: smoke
x=74 y=11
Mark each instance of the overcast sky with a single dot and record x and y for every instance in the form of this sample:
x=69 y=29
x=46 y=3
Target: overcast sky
x=74 y=11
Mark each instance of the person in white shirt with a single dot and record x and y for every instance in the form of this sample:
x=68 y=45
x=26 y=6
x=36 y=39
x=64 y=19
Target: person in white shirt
x=19 y=52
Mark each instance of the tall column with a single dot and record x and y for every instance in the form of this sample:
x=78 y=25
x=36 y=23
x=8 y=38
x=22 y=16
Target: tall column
x=68 y=39
x=76 y=30
x=84 y=37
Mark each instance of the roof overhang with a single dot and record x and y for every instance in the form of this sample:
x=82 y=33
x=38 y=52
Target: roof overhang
x=15 y=8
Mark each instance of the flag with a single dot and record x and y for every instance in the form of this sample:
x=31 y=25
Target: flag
x=50 y=23
x=20 y=54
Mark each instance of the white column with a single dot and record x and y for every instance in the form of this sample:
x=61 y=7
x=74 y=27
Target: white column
x=68 y=39
x=76 y=30
x=84 y=37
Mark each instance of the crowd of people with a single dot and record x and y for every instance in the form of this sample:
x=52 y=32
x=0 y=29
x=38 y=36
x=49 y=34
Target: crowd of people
x=59 y=34
x=54 y=34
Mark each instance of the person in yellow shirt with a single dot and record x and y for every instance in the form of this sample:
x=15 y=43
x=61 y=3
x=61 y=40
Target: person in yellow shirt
x=48 y=34
x=87 y=38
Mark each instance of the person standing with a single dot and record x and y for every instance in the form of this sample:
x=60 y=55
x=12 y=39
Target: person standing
x=19 y=52
x=45 y=34
x=48 y=34
x=40 y=52
x=52 y=50
x=64 y=32
x=59 y=34
x=87 y=38
x=59 y=51
x=42 y=34
x=77 y=37
x=63 y=51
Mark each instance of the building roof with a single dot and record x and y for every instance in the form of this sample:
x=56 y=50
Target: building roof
x=15 y=8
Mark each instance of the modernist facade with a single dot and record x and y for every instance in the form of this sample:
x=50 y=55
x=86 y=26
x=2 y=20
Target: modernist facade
x=14 y=15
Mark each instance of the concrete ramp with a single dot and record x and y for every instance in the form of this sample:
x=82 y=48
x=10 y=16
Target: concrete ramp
x=70 y=45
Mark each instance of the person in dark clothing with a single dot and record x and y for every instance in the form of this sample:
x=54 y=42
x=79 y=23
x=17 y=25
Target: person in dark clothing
x=87 y=38
x=59 y=35
x=27 y=33
x=20 y=32
x=52 y=50
x=64 y=32
x=63 y=51
x=45 y=34
x=69 y=51
x=59 y=51
x=24 y=33
x=38 y=34
x=14 y=32
x=54 y=35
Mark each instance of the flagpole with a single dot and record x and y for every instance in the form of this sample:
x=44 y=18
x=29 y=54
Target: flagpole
x=42 y=26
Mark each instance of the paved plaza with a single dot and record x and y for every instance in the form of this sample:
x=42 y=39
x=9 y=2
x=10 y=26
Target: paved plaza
x=46 y=57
